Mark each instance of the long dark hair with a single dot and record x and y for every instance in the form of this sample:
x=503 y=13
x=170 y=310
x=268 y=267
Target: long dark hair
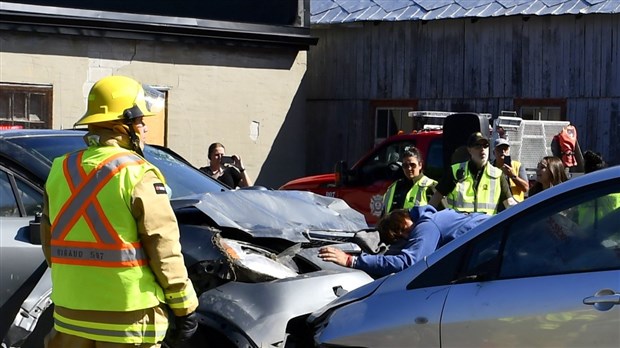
x=412 y=151
x=556 y=170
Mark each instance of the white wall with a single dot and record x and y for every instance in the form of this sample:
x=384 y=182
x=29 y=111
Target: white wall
x=249 y=99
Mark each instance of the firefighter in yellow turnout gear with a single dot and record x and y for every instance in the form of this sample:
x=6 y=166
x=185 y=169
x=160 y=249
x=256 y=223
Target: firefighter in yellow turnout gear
x=109 y=233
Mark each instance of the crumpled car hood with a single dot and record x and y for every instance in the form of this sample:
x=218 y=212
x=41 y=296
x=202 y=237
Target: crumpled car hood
x=279 y=214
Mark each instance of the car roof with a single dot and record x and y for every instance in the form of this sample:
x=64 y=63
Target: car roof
x=22 y=160
x=14 y=133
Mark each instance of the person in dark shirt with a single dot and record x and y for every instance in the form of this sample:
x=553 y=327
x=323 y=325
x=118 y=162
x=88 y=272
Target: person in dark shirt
x=232 y=174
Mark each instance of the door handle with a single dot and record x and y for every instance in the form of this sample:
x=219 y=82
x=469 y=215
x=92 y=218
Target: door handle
x=603 y=300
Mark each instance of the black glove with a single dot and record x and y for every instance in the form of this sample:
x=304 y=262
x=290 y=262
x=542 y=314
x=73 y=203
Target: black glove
x=183 y=329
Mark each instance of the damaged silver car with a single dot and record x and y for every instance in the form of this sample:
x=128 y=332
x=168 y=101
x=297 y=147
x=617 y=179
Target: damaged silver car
x=252 y=254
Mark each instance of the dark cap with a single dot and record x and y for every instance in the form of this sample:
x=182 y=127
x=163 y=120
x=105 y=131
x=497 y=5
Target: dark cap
x=477 y=138
x=501 y=141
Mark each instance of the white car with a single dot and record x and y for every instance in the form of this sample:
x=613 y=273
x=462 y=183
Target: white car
x=543 y=273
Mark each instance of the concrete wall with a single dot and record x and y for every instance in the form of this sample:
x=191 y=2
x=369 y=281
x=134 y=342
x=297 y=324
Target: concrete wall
x=249 y=99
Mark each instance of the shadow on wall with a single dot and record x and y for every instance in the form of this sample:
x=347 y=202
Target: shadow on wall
x=287 y=158
x=179 y=52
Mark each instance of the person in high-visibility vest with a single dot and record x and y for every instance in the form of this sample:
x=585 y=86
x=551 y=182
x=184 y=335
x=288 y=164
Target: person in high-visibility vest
x=514 y=171
x=110 y=235
x=589 y=213
x=475 y=185
x=414 y=189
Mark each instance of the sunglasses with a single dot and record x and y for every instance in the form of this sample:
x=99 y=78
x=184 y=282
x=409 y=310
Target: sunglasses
x=481 y=146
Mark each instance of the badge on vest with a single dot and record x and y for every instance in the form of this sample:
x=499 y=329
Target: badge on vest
x=160 y=188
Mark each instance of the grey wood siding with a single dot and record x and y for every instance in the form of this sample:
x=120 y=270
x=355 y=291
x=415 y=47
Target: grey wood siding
x=478 y=65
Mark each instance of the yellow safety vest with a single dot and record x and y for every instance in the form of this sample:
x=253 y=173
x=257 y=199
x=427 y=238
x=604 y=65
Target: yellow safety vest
x=483 y=199
x=415 y=197
x=517 y=193
x=97 y=259
x=590 y=212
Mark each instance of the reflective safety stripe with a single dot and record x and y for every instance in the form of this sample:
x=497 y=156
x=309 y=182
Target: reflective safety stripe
x=120 y=333
x=421 y=190
x=97 y=254
x=460 y=194
x=181 y=299
x=108 y=250
x=388 y=196
x=459 y=199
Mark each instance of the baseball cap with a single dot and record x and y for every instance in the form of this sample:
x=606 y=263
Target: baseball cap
x=476 y=138
x=501 y=141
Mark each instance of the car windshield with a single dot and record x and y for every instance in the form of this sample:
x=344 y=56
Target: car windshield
x=182 y=178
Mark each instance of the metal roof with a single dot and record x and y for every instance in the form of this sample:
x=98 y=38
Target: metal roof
x=348 y=11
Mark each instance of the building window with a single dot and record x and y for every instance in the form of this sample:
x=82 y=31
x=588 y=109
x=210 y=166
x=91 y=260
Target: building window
x=25 y=106
x=541 y=109
x=390 y=117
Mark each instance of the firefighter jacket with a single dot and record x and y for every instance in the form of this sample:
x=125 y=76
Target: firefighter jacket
x=112 y=240
x=416 y=196
x=471 y=196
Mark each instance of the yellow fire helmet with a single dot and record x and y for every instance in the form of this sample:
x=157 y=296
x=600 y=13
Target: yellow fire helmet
x=121 y=98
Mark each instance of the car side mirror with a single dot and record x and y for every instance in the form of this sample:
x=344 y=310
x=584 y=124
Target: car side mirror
x=35 y=229
x=341 y=172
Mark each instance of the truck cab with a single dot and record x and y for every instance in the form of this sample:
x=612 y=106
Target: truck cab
x=362 y=186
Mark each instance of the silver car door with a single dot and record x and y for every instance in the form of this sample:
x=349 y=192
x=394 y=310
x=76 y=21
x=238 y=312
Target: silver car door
x=19 y=258
x=557 y=281
x=541 y=311
x=389 y=318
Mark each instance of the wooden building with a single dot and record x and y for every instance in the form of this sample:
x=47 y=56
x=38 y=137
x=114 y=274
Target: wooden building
x=376 y=60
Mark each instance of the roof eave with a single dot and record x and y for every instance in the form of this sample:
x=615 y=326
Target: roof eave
x=145 y=27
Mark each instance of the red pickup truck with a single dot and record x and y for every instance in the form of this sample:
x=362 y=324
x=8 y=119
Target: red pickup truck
x=363 y=186
x=437 y=135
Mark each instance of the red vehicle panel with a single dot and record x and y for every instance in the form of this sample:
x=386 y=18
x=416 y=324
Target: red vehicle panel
x=363 y=185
